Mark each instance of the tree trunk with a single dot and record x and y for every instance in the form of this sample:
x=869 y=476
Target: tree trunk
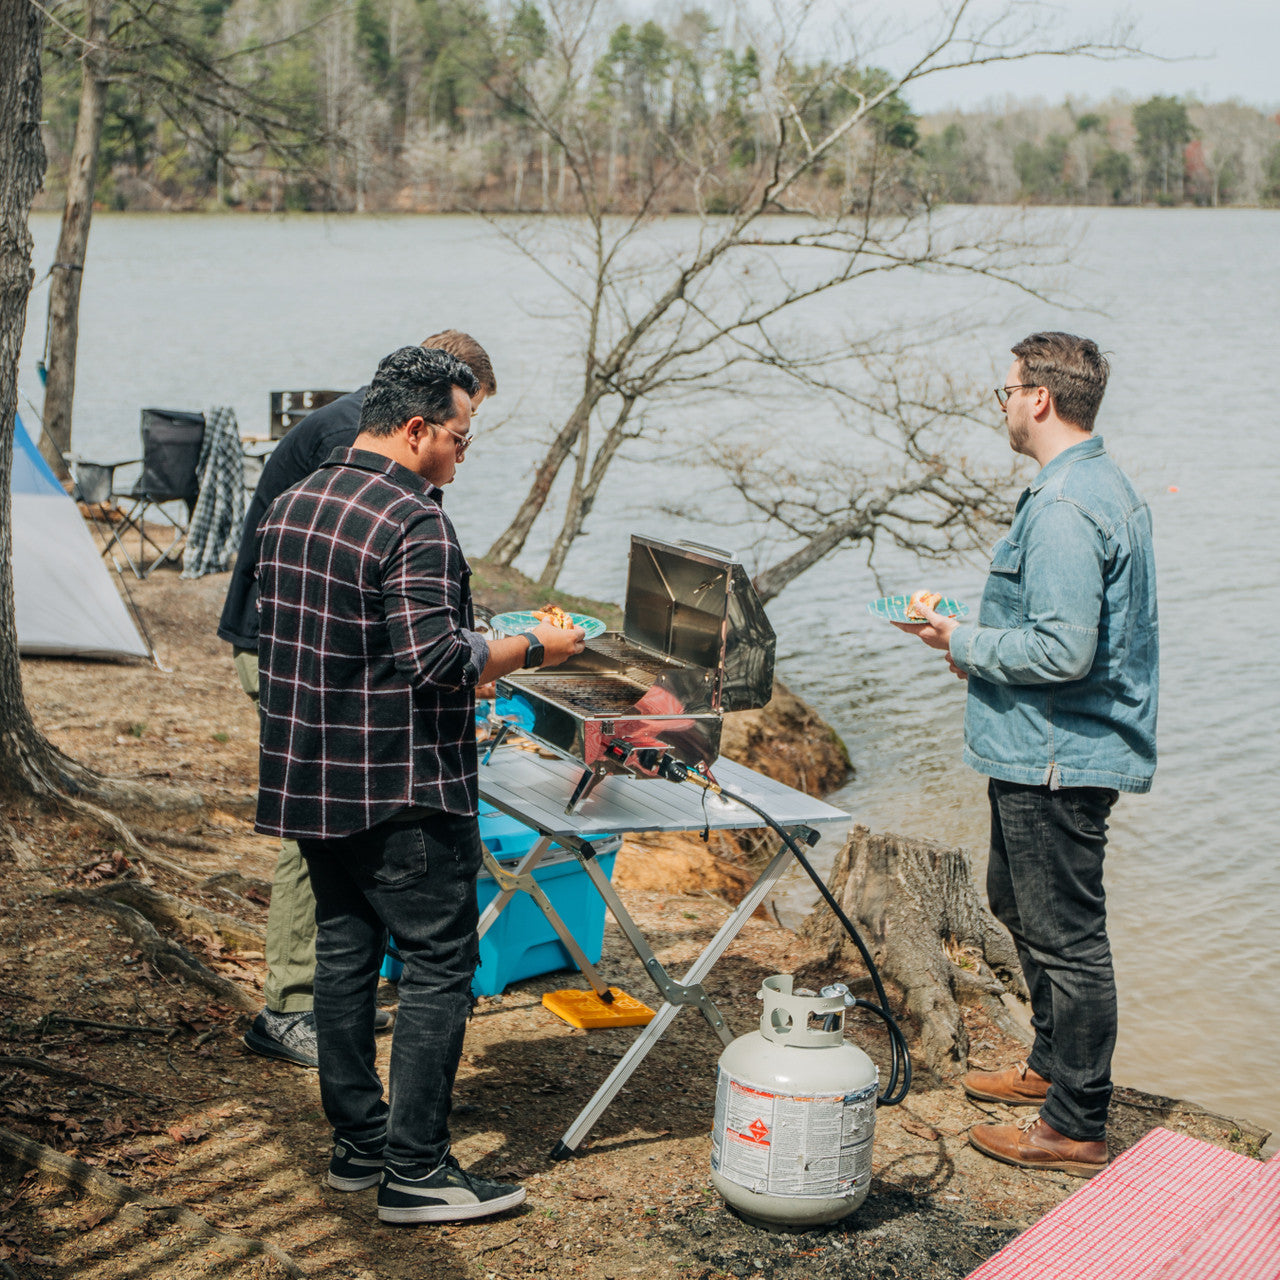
x=582 y=497
x=22 y=163
x=73 y=242
x=916 y=906
x=769 y=582
x=29 y=763
x=511 y=541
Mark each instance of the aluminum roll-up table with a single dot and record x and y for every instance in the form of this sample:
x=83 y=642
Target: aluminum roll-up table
x=536 y=790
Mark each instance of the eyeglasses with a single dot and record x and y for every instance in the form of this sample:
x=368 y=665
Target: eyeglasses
x=460 y=443
x=1003 y=393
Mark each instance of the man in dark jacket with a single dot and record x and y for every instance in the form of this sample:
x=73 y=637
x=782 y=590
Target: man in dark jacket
x=369 y=662
x=285 y=1028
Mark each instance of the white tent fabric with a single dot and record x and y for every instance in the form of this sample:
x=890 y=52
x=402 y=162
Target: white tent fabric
x=65 y=600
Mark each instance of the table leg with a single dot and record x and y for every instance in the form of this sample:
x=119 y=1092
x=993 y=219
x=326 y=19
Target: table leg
x=690 y=983
x=521 y=880
x=504 y=878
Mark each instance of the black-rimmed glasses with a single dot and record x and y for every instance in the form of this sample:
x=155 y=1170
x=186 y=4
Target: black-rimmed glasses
x=1003 y=393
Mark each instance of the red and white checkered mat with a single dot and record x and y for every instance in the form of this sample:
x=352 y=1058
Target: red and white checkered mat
x=1169 y=1208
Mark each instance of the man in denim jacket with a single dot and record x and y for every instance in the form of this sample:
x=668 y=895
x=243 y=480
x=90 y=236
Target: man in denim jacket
x=1062 y=667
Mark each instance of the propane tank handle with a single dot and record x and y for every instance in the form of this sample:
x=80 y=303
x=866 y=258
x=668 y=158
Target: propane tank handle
x=801 y=1022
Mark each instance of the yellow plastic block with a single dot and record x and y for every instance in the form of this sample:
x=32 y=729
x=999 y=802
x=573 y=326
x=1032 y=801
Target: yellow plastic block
x=585 y=1009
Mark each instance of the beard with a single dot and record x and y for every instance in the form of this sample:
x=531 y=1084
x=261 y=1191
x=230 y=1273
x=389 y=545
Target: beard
x=1019 y=434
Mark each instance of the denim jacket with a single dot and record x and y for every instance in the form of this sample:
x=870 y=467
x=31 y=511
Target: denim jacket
x=1063 y=662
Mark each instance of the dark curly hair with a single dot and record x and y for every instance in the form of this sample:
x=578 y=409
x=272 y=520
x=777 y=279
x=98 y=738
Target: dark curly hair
x=414 y=382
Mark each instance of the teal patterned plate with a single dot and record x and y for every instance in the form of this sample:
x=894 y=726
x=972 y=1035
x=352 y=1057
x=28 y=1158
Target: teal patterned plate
x=510 y=624
x=894 y=609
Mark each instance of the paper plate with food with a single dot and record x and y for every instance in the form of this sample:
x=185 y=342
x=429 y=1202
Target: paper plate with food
x=510 y=624
x=906 y=609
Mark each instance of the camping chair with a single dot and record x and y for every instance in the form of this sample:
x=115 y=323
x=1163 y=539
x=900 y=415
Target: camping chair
x=171 y=443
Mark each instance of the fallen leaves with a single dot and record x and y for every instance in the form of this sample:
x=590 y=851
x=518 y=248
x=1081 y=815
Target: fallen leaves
x=109 y=868
x=925 y=1131
x=188 y=1134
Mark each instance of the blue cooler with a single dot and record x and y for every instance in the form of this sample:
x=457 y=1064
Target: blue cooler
x=522 y=943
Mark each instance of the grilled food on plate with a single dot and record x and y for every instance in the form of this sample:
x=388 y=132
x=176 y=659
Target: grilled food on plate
x=555 y=615
x=922 y=600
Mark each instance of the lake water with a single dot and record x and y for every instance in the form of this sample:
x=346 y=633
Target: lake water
x=188 y=312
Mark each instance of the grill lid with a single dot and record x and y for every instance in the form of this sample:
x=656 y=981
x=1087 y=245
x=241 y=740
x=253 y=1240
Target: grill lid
x=696 y=604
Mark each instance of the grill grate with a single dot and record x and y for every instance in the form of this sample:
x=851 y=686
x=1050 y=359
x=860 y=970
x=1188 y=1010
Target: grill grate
x=586 y=694
x=622 y=651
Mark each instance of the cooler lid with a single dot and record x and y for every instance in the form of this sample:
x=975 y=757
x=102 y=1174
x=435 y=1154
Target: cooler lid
x=696 y=604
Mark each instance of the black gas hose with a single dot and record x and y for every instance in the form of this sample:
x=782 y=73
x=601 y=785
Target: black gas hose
x=899 y=1055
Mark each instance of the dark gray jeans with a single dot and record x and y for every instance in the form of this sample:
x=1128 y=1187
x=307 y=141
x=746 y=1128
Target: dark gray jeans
x=1044 y=883
x=417 y=880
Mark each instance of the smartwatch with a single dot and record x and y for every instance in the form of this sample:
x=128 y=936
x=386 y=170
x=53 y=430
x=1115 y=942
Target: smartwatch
x=535 y=654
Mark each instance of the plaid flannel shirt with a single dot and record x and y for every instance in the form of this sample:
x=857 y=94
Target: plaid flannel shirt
x=367 y=658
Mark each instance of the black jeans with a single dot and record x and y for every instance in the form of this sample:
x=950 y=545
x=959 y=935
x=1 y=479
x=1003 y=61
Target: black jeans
x=417 y=880
x=1044 y=883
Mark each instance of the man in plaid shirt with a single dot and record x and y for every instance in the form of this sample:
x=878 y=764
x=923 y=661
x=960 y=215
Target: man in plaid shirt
x=368 y=666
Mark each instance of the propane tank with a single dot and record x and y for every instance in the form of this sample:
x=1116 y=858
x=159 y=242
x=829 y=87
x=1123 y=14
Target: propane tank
x=795 y=1114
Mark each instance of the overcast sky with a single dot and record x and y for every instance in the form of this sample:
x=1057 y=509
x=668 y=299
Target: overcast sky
x=1225 y=49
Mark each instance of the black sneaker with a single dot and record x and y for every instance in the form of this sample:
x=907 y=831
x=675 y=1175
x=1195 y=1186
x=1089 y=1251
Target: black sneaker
x=445 y=1194
x=383 y=1020
x=290 y=1037
x=353 y=1168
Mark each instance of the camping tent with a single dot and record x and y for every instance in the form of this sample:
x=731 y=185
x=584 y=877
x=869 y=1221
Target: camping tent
x=65 y=599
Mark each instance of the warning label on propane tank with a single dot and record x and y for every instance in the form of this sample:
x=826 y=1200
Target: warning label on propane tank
x=816 y=1144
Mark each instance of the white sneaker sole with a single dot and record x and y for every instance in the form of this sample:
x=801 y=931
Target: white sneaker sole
x=450 y=1212
x=355 y=1184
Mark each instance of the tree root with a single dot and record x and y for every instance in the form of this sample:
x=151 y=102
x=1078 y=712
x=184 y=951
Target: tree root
x=71 y=1020
x=76 y=1173
x=23 y=854
x=130 y=840
x=187 y=918
x=82 y=782
x=64 y=1073
x=234 y=885
x=176 y=840
x=930 y=934
x=31 y=764
x=162 y=953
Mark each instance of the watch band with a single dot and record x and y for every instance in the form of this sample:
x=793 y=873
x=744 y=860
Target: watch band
x=536 y=653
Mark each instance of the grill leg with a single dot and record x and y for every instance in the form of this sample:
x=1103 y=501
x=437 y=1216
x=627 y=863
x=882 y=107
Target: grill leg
x=586 y=785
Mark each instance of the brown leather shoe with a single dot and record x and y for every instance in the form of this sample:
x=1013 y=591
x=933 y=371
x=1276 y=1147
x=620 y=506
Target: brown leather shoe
x=1018 y=1086
x=1036 y=1145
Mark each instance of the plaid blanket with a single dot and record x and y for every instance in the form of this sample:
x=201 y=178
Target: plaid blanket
x=213 y=536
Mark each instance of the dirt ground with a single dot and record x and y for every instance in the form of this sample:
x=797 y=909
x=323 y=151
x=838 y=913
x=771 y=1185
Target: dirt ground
x=140 y=1073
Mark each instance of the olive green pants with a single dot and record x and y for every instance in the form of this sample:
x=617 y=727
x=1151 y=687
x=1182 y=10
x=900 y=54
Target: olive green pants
x=291 y=919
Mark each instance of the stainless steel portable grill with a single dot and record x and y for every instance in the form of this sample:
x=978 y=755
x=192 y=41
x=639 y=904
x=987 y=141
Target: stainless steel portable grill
x=695 y=643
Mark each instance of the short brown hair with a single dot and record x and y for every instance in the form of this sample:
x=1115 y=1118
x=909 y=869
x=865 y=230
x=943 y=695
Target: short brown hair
x=464 y=347
x=1072 y=369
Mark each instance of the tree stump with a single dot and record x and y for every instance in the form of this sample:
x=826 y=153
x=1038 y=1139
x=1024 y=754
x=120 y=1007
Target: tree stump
x=919 y=913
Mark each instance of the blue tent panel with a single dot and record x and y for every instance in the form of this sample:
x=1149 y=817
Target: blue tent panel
x=31 y=473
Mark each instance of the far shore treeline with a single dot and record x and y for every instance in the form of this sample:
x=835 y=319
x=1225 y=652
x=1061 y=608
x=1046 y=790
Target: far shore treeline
x=413 y=105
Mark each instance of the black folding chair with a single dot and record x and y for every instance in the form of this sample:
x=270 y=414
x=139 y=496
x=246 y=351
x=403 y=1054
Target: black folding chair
x=171 y=444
